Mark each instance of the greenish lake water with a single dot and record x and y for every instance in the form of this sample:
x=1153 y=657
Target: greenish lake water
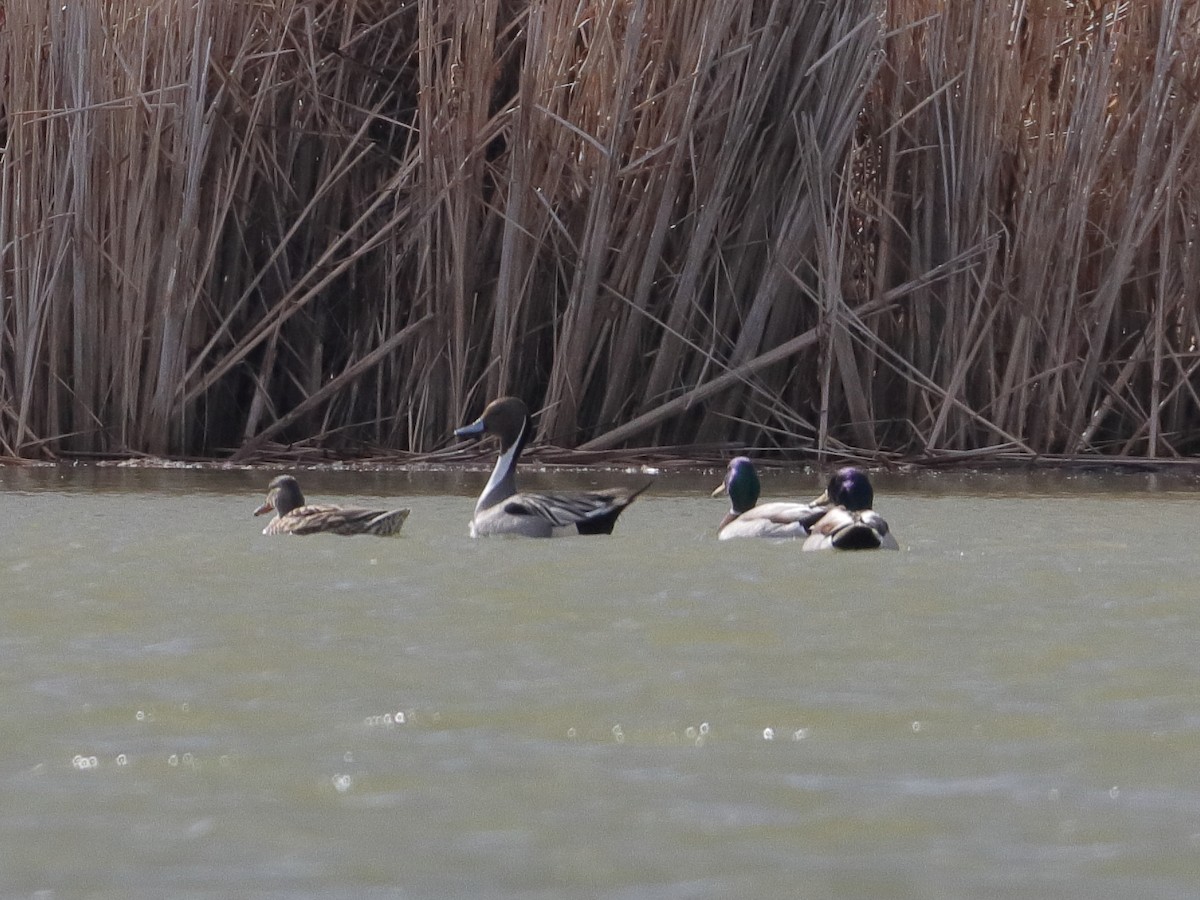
x=1007 y=708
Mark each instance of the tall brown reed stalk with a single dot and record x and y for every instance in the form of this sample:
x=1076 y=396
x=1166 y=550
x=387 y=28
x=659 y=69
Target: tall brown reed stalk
x=861 y=228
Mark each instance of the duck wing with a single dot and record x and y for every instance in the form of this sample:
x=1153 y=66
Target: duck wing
x=343 y=520
x=781 y=519
x=591 y=512
x=785 y=513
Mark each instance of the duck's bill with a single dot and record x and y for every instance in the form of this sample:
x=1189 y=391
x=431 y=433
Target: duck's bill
x=719 y=491
x=265 y=508
x=823 y=500
x=471 y=430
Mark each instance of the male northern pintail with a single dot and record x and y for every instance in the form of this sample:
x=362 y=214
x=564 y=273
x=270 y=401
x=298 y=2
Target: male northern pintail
x=780 y=519
x=502 y=510
x=850 y=523
x=293 y=516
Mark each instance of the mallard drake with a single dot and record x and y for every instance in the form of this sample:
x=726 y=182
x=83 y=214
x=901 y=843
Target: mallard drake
x=501 y=509
x=779 y=519
x=850 y=523
x=293 y=516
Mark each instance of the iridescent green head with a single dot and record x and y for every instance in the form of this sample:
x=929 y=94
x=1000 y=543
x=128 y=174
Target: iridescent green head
x=741 y=484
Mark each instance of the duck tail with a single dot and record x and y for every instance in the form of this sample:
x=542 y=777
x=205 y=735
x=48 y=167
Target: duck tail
x=619 y=499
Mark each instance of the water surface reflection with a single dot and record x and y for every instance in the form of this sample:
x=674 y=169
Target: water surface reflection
x=1006 y=708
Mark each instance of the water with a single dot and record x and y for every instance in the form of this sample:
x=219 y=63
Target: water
x=1007 y=708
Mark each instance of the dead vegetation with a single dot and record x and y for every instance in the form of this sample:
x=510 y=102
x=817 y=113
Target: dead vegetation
x=907 y=229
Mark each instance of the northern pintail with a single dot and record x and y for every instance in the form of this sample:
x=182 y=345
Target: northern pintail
x=501 y=509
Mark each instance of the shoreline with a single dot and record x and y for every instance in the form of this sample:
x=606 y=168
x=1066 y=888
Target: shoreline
x=650 y=460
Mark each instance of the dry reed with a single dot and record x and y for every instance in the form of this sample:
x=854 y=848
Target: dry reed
x=902 y=228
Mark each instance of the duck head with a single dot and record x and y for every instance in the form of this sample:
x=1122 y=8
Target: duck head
x=283 y=495
x=850 y=488
x=506 y=418
x=741 y=484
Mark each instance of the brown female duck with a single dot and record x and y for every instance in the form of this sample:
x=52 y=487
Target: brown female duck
x=294 y=516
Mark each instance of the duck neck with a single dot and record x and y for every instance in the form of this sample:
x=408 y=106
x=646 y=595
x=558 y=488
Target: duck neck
x=503 y=483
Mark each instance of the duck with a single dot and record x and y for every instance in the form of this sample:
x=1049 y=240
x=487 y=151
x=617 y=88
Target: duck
x=850 y=523
x=294 y=516
x=746 y=518
x=502 y=509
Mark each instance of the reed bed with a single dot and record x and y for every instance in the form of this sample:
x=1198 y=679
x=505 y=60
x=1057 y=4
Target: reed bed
x=902 y=229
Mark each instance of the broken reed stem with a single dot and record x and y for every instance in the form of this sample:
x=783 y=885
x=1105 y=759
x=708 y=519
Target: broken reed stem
x=681 y=224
